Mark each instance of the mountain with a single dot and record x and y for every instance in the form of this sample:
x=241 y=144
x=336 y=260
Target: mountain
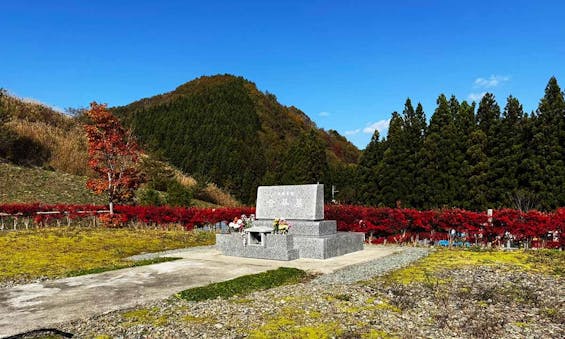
x=43 y=158
x=223 y=129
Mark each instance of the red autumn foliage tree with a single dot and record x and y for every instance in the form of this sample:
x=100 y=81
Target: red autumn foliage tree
x=113 y=155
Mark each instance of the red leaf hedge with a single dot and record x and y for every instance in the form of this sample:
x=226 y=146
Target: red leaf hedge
x=379 y=224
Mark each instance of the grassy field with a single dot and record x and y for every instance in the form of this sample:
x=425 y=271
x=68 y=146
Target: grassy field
x=63 y=251
x=25 y=184
x=538 y=261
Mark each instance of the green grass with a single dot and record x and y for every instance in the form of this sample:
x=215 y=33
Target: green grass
x=539 y=261
x=245 y=284
x=64 y=251
x=25 y=185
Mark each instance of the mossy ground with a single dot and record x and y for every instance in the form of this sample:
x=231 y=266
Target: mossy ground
x=64 y=251
x=538 y=261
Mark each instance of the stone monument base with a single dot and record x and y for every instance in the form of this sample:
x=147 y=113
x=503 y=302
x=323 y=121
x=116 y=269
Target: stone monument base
x=274 y=247
x=327 y=246
x=289 y=247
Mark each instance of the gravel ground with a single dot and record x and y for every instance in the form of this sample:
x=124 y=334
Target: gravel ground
x=366 y=270
x=472 y=302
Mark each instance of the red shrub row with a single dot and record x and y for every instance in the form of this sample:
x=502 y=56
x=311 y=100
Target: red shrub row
x=399 y=225
x=391 y=224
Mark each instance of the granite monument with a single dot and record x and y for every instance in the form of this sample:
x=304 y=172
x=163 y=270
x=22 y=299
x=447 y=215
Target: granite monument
x=309 y=235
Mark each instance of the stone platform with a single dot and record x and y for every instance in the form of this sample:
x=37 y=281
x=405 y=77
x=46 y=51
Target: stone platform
x=290 y=247
x=309 y=235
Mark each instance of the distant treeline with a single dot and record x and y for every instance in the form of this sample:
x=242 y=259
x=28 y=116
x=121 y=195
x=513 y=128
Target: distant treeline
x=468 y=157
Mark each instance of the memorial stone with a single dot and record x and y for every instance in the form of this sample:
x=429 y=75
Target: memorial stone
x=309 y=236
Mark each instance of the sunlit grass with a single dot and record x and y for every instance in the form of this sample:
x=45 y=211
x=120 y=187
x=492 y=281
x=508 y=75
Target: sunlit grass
x=63 y=251
x=540 y=261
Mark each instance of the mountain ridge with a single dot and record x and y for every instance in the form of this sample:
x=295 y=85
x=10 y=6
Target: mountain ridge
x=216 y=126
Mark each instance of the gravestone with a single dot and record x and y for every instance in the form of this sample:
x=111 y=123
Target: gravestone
x=309 y=235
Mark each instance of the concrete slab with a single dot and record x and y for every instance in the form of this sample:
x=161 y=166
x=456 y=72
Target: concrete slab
x=44 y=305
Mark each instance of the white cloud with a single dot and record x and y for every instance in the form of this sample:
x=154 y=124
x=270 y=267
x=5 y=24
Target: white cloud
x=352 y=132
x=476 y=96
x=324 y=114
x=381 y=126
x=492 y=81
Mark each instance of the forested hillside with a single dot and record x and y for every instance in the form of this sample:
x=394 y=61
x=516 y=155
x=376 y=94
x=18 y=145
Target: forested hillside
x=470 y=157
x=224 y=129
x=46 y=158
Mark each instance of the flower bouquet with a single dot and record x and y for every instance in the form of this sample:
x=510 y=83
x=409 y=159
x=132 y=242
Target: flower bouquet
x=241 y=223
x=280 y=226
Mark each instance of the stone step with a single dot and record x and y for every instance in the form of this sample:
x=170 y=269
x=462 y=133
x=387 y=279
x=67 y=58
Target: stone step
x=304 y=227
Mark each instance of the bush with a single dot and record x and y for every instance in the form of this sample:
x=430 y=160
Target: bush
x=178 y=195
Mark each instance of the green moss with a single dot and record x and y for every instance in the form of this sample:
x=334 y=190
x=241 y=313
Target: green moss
x=284 y=327
x=315 y=314
x=343 y=297
x=550 y=312
x=521 y=324
x=245 y=284
x=144 y=316
x=376 y=334
x=63 y=251
x=386 y=306
x=198 y=320
x=425 y=269
x=548 y=261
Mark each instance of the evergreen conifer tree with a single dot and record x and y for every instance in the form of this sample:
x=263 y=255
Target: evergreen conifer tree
x=488 y=119
x=465 y=125
x=509 y=154
x=306 y=161
x=413 y=136
x=549 y=146
x=394 y=170
x=440 y=158
x=368 y=172
x=478 y=170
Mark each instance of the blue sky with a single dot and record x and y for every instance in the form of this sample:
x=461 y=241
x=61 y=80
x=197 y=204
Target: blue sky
x=347 y=64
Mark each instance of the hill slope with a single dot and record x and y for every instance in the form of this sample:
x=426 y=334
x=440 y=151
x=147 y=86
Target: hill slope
x=29 y=184
x=34 y=137
x=224 y=129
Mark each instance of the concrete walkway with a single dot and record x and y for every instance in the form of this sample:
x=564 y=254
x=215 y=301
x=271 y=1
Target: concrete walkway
x=43 y=305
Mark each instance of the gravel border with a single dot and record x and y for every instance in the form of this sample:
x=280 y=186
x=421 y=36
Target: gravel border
x=380 y=266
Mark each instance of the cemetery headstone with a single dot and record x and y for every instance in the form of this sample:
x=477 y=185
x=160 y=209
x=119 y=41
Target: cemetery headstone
x=309 y=235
